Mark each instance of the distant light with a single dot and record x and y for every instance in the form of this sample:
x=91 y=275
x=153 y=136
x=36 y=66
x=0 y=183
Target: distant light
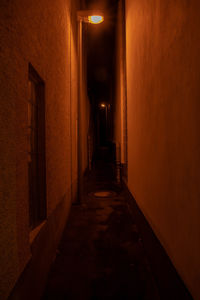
x=95 y=19
x=103 y=105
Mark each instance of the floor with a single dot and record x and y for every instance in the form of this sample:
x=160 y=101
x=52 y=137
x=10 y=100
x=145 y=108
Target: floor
x=102 y=254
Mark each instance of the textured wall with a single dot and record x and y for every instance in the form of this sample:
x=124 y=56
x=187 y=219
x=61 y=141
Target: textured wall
x=163 y=63
x=40 y=33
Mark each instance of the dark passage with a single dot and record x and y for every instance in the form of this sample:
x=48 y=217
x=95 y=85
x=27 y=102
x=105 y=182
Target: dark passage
x=101 y=255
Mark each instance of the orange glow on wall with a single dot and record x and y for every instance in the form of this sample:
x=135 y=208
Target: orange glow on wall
x=95 y=19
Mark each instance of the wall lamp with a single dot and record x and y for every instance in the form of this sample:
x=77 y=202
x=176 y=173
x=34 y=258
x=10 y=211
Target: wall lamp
x=95 y=19
x=90 y=16
x=102 y=105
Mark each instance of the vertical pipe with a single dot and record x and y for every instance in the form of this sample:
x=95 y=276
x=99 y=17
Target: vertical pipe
x=118 y=163
x=89 y=153
x=70 y=98
x=80 y=61
x=124 y=78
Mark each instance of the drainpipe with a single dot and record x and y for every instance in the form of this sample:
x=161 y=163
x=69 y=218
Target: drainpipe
x=80 y=68
x=118 y=163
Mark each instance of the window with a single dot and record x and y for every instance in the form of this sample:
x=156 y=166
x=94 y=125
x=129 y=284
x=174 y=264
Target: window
x=36 y=149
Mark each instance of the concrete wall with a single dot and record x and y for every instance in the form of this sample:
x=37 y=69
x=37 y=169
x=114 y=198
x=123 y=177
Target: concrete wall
x=163 y=63
x=44 y=34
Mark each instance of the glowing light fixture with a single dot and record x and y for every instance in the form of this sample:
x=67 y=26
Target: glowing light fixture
x=103 y=105
x=90 y=16
x=95 y=19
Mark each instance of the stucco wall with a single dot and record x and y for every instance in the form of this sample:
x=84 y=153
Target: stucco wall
x=40 y=33
x=163 y=63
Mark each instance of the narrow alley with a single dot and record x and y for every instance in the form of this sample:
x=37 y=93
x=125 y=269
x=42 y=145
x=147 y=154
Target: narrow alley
x=99 y=150
x=102 y=253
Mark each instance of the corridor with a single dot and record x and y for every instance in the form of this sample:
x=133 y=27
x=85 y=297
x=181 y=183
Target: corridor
x=99 y=150
x=101 y=254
